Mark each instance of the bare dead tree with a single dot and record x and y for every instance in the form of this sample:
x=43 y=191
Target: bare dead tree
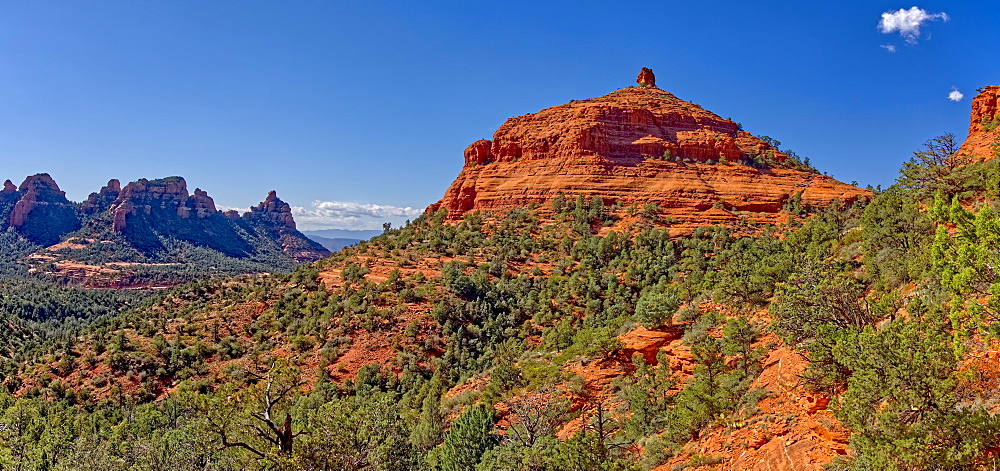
x=535 y=415
x=276 y=390
x=270 y=388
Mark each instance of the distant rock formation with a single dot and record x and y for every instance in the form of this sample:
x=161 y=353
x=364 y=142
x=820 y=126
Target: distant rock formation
x=146 y=211
x=102 y=200
x=983 y=142
x=646 y=78
x=35 y=190
x=41 y=213
x=272 y=210
x=151 y=216
x=275 y=217
x=142 y=197
x=636 y=146
x=203 y=205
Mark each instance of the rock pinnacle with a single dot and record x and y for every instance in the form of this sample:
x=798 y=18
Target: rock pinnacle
x=646 y=78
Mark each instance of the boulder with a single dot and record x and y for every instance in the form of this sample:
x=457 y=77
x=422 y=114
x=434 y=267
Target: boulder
x=647 y=342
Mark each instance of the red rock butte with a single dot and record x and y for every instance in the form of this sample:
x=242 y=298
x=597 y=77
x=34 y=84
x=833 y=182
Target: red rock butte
x=637 y=145
x=983 y=142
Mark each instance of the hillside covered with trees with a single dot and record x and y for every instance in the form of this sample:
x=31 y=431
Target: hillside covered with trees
x=505 y=342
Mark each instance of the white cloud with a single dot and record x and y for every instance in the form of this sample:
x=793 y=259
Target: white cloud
x=347 y=215
x=888 y=47
x=222 y=207
x=908 y=22
x=955 y=95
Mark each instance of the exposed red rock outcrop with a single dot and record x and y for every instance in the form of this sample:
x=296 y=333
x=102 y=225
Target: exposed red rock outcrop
x=273 y=210
x=100 y=201
x=119 y=215
x=479 y=152
x=168 y=197
x=646 y=78
x=983 y=142
x=19 y=215
x=801 y=433
x=276 y=215
x=636 y=146
x=201 y=204
x=144 y=196
x=648 y=342
x=40 y=183
x=38 y=210
x=151 y=216
x=35 y=190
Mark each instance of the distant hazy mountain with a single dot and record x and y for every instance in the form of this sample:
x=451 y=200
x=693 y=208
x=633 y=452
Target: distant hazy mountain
x=336 y=239
x=343 y=234
x=333 y=244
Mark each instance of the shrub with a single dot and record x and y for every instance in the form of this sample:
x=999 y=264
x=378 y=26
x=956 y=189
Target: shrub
x=656 y=308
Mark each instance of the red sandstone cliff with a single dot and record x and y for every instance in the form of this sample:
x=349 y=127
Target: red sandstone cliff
x=636 y=146
x=38 y=210
x=169 y=198
x=35 y=190
x=100 y=201
x=983 y=142
x=275 y=216
x=143 y=196
x=146 y=215
x=273 y=210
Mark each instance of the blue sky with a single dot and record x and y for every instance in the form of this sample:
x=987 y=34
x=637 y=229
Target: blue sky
x=366 y=107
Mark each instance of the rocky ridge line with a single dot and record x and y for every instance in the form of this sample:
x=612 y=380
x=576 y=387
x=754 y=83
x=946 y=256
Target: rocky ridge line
x=145 y=210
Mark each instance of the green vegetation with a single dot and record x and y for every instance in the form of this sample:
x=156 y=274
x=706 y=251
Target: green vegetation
x=484 y=309
x=890 y=300
x=656 y=308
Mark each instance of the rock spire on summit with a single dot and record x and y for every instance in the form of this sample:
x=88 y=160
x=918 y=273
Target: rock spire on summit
x=633 y=147
x=646 y=78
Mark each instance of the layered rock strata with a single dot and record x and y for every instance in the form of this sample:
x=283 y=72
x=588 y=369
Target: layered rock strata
x=983 y=142
x=146 y=213
x=273 y=211
x=40 y=211
x=275 y=217
x=637 y=146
